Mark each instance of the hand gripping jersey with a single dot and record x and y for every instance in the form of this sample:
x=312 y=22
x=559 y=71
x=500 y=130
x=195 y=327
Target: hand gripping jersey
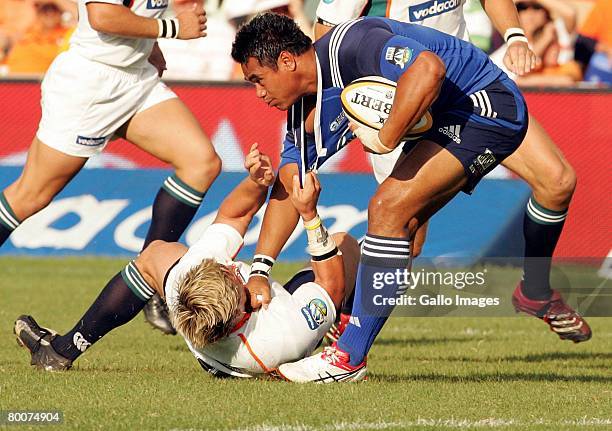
x=113 y=50
x=288 y=330
x=444 y=15
x=387 y=48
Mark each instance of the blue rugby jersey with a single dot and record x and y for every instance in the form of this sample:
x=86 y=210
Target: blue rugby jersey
x=382 y=47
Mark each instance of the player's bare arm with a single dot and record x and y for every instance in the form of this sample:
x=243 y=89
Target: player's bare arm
x=327 y=263
x=278 y=224
x=416 y=90
x=238 y=209
x=519 y=57
x=121 y=21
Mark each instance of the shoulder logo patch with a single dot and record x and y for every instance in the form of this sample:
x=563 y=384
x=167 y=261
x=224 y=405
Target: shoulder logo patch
x=398 y=56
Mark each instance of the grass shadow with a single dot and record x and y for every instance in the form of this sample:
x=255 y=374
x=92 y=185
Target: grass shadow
x=490 y=377
x=390 y=341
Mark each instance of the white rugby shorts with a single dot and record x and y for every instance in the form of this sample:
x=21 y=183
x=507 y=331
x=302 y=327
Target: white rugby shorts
x=85 y=102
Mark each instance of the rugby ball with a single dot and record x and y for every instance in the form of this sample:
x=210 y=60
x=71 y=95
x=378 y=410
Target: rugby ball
x=367 y=101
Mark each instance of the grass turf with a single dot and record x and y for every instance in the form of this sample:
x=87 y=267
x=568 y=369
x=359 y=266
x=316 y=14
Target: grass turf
x=425 y=373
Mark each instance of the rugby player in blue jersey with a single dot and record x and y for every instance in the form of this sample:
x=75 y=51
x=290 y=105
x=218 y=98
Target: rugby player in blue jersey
x=463 y=89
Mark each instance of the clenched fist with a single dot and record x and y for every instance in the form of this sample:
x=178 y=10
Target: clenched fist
x=192 y=23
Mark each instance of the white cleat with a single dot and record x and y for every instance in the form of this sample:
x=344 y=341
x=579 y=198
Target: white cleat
x=330 y=366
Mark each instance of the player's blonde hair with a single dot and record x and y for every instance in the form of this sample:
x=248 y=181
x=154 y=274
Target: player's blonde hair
x=208 y=301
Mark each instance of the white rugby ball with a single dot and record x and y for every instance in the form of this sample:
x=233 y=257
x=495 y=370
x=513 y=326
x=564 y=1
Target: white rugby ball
x=368 y=101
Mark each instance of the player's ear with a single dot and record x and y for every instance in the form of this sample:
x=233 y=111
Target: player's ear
x=286 y=61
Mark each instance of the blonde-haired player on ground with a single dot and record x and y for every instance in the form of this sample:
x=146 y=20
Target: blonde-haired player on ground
x=207 y=296
x=108 y=85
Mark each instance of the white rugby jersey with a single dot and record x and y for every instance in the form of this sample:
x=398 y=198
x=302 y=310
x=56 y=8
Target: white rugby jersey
x=443 y=15
x=288 y=330
x=113 y=50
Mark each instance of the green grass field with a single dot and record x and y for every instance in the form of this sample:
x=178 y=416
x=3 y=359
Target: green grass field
x=425 y=373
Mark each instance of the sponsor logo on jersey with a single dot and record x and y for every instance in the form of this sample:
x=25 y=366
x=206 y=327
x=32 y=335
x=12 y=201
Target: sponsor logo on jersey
x=452 y=132
x=157 y=4
x=398 y=55
x=483 y=162
x=90 y=142
x=431 y=8
x=80 y=342
x=315 y=313
x=336 y=123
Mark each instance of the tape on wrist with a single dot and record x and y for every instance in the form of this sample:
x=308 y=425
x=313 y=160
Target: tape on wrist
x=382 y=148
x=262 y=265
x=321 y=245
x=515 y=34
x=168 y=28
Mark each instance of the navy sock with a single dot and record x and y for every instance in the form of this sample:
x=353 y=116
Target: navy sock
x=8 y=219
x=118 y=303
x=175 y=206
x=541 y=228
x=381 y=276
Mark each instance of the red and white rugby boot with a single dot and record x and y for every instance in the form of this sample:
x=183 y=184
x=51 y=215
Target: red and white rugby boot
x=562 y=319
x=337 y=328
x=330 y=366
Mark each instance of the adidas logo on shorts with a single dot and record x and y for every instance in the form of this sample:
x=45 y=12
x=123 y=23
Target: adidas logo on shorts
x=452 y=132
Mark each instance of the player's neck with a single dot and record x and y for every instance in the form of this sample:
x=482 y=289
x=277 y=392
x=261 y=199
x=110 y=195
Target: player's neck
x=308 y=66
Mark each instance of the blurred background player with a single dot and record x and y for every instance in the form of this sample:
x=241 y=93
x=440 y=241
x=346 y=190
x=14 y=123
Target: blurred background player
x=20 y=18
x=206 y=293
x=44 y=39
x=594 y=44
x=472 y=97
x=108 y=85
x=552 y=187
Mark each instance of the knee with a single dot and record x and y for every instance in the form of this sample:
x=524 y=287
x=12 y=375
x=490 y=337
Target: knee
x=144 y=260
x=199 y=169
x=558 y=186
x=389 y=213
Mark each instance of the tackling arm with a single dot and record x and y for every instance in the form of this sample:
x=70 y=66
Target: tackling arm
x=280 y=218
x=241 y=205
x=278 y=224
x=327 y=262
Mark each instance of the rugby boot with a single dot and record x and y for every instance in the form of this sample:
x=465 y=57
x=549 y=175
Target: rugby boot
x=330 y=366
x=38 y=341
x=562 y=319
x=156 y=313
